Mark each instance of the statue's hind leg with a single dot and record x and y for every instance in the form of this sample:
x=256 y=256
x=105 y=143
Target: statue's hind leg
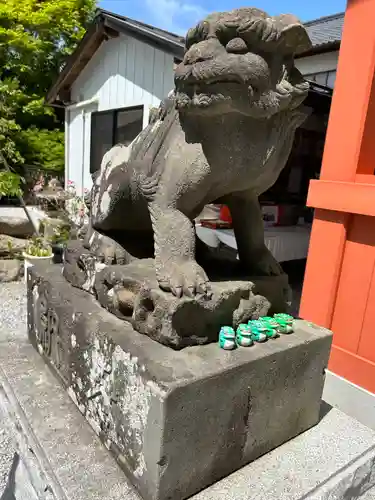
x=106 y=250
x=249 y=232
x=82 y=259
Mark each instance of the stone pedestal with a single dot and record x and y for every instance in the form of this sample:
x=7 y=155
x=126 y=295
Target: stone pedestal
x=176 y=421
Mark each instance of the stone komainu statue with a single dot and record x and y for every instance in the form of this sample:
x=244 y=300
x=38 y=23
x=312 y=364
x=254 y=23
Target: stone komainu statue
x=222 y=136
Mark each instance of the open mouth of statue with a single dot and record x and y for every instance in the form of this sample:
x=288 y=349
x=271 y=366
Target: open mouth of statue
x=202 y=87
x=223 y=80
x=205 y=82
x=209 y=82
x=215 y=89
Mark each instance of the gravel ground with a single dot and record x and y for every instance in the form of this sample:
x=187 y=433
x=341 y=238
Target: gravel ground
x=12 y=319
x=13 y=306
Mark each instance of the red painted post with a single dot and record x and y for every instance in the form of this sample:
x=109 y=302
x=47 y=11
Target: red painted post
x=339 y=286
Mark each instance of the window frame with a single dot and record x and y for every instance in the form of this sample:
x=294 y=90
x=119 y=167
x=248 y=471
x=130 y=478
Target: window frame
x=114 y=112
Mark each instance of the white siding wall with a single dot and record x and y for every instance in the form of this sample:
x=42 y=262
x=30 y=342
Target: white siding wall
x=73 y=162
x=77 y=145
x=318 y=64
x=123 y=72
x=320 y=68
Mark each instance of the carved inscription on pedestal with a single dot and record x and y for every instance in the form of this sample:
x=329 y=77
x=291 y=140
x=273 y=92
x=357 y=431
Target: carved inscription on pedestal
x=46 y=328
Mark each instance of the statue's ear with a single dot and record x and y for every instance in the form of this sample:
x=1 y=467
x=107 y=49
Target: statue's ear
x=197 y=34
x=295 y=39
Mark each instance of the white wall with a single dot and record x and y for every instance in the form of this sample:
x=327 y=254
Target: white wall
x=123 y=72
x=73 y=160
x=77 y=145
x=318 y=63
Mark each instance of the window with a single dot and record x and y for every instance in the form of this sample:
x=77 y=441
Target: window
x=101 y=137
x=117 y=126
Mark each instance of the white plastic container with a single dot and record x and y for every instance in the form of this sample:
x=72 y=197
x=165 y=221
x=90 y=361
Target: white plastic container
x=31 y=259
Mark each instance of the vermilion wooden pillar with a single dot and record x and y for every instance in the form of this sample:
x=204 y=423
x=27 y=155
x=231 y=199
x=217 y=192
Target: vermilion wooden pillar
x=339 y=286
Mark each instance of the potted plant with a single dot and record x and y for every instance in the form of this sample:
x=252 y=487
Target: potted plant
x=58 y=241
x=56 y=232
x=36 y=251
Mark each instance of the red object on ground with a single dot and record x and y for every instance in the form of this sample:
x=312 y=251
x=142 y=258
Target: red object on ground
x=225 y=214
x=339 y=286
x=215 y=224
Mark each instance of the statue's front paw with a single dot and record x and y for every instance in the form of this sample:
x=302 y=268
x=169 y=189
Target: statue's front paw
x=183 y=278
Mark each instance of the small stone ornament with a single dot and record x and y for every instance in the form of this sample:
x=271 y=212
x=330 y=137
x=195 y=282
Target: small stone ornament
x=271 y=324
x=285 y=323
x=259 y=330
x=227 y=338
x=244 y=336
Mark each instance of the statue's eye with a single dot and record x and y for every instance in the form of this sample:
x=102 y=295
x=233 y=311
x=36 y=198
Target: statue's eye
x=237 y=46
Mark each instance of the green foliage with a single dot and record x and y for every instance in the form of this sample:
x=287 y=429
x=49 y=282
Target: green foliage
x=38 y=248
x=10 y=246
x=10 y=184
x=13 y=251
x=55 y=235
x=43 y=147
x=60 y=235
x=35 y=38
x=9 y=97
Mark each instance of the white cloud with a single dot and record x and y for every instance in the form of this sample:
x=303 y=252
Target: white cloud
x=175 y=15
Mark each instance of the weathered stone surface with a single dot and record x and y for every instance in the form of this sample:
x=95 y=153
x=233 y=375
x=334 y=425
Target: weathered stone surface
x=80 y=266
x=10 y=270
x=132 y=293
x=10 y=245
x=333 y=461
x=57 y=455
x=176 y=421
x=14 y=222
x=15 y=226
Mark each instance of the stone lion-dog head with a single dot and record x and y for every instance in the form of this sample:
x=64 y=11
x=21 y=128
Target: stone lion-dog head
x=242 y=61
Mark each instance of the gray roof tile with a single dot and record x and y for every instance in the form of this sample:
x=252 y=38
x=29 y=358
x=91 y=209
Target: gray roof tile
x=325 y=30
x=322 y=31
x=172 y=37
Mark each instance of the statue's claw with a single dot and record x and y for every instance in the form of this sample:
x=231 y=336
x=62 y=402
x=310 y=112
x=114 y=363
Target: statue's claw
x=185 y=278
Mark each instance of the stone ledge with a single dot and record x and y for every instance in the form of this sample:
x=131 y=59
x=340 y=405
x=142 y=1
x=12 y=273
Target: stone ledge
x=350 y=399
x=335 y=460
x=176 y=421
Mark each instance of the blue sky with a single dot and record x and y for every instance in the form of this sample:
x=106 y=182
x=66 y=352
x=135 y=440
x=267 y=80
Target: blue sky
x=179 y=15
